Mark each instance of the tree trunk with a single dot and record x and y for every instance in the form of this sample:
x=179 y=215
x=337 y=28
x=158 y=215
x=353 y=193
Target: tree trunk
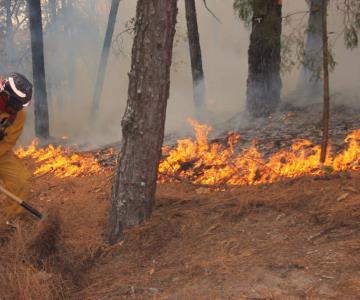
x=309 y=85
x=37 y=48
x=326 y=109
x=196 y=61
x=264 y=82
x=104 y=59
x=144 y=118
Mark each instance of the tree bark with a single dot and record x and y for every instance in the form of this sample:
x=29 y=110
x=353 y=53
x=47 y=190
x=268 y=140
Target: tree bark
x=326 y=109
x=104 y=59
x=37 y=48
x=143 y=122
x=199 y=91
x=264 y=57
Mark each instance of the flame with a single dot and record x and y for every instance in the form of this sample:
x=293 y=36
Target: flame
x=203 y=163
x=60 y=161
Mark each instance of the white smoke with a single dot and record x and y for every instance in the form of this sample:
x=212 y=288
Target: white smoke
x=224 y=53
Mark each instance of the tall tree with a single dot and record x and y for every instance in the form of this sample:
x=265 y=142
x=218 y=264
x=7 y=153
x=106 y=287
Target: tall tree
x=37 y=48
x=104 y=58
x=264 y=58
x=326 y=93
x=196 y=60
x=144 y=118
x=310 y=80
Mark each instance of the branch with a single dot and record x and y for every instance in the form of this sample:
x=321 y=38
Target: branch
x=12 y=12
x=209 y=10
x=20 y=23
x=296 y=13
x=328 y=230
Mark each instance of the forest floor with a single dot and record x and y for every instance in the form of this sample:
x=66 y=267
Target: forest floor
x=297 y=239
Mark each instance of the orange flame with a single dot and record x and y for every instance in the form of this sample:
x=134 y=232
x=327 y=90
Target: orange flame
x=202 y=162
x=214 y=164
x=59 y=160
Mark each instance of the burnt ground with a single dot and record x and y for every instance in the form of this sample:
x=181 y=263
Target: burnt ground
x=270 y=134
x=297 y=239
x=289 y=123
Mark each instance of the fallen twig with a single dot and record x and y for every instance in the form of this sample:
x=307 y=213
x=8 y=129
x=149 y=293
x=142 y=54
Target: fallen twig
x=326 y=231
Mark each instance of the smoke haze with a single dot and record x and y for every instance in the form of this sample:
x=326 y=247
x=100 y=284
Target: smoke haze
x=224 y=52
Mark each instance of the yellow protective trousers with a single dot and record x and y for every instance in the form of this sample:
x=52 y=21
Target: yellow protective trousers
x=16 y=179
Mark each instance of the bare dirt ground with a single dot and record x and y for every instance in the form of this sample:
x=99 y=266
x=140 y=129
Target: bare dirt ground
x=297 y=239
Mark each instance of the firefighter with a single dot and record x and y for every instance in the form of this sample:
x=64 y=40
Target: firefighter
x=15 y=94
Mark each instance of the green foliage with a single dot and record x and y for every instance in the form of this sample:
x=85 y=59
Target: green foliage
x=351 y=37
x=351 y=11
x=244 y=10
x=292 y=51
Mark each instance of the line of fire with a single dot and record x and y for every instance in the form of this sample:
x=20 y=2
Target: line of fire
x=164 y=149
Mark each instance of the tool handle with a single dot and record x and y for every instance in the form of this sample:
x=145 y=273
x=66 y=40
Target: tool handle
x=34 y=211
x=10 y=195
x=21 y=202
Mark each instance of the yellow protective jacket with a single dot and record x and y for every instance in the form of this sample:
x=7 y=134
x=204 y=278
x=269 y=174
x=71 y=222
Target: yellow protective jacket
x=13 y=174
x=13 y=132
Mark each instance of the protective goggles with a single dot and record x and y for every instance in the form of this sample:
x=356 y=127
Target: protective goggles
x=12 y=102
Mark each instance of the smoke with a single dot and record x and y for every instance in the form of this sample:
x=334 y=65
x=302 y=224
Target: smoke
x=224 y=54
x=72 y=52
x=299 y=85
x=309 y=77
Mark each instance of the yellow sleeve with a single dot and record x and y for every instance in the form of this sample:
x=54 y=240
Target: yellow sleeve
x=13 y=132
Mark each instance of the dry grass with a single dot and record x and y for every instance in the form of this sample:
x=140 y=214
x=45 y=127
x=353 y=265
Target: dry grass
x=292 y=240
x=19 y=277
x=44 y=244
